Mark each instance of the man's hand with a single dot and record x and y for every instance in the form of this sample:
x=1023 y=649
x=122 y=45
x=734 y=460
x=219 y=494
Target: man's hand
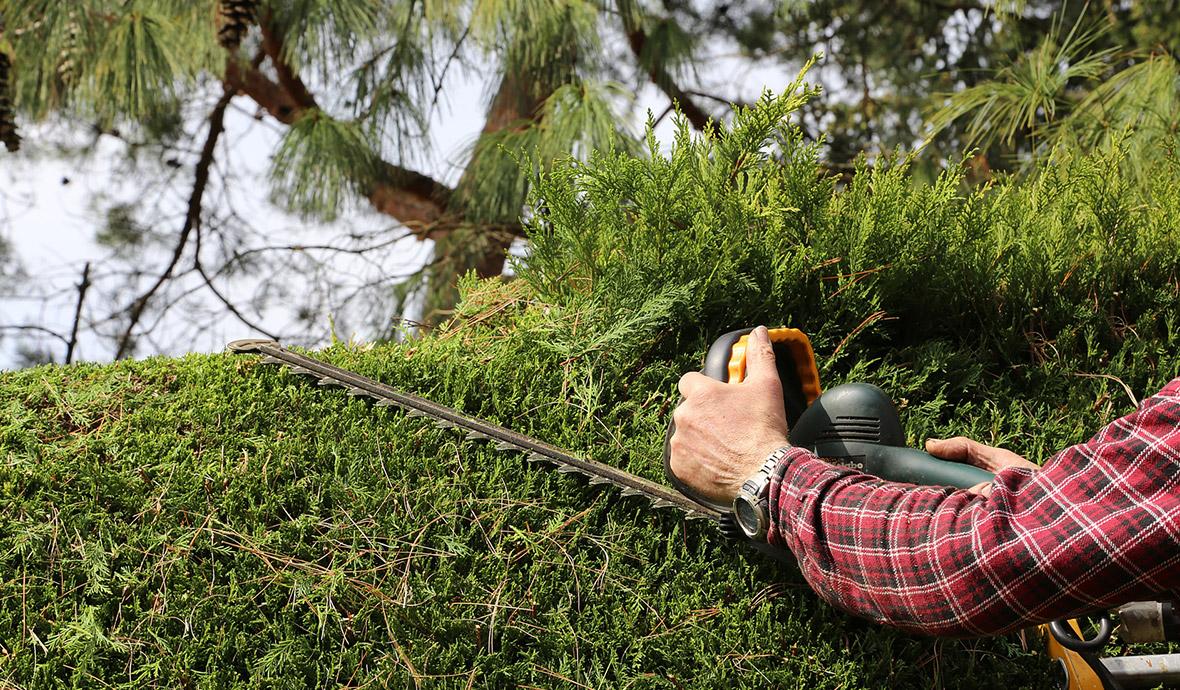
x=963 y=449
x=724 y=431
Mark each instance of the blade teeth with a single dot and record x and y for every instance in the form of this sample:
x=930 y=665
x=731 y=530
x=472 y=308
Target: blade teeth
x=592 y=478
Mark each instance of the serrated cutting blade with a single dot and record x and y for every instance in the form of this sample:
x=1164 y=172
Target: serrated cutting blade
x=502 y=438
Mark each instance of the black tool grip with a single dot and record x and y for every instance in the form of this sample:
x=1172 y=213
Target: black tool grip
x=857 y=425
x=787 y=358
x=912 y=466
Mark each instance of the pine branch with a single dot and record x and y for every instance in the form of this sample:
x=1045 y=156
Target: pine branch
x=637 y=40
x=192 y=220
x=414 y=199
x=290 y=81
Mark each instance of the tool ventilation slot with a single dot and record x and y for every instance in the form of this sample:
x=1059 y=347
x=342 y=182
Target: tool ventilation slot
x=850 y=428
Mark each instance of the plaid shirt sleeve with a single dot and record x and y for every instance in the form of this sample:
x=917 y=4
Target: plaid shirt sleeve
x=1098 y=525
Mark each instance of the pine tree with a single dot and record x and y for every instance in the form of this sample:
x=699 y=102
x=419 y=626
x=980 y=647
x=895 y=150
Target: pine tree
x=352 y=84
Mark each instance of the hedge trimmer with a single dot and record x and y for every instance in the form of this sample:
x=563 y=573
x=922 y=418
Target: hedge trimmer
x=854 y=424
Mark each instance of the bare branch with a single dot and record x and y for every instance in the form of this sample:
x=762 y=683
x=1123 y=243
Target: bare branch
x=230 y=306
x=192 y=219
x=82 y=287
x=719 y=99
x=35 y=329
x=438 y=85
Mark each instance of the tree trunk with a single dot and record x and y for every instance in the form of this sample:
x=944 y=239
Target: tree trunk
x=479 y=245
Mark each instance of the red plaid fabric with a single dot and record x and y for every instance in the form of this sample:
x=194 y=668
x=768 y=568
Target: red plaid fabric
x=1098 y=525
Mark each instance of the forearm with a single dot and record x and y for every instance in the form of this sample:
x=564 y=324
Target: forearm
x=1096 y=527
x=896 y=554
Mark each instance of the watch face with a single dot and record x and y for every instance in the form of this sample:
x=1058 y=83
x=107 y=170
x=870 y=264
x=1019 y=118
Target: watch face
x=747 y=516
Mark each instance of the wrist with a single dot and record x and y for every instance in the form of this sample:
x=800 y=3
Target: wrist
x=744 y=465
x=751 y=506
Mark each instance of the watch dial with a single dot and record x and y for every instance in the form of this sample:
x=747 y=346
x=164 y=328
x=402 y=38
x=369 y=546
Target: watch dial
x=747 y=518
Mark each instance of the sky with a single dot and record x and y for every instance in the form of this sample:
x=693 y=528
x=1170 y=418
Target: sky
x=47 y=214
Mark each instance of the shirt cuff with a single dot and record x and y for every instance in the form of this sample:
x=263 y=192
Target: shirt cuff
x=798 y=470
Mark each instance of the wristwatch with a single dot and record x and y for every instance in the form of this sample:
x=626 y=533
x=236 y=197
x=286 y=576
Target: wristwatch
x=751 y=508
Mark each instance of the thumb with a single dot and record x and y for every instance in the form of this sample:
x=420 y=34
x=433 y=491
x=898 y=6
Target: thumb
x=760 y=356
x=958 y=448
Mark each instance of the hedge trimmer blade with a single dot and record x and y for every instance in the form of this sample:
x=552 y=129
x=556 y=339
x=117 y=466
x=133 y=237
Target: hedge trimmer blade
x=444 y=417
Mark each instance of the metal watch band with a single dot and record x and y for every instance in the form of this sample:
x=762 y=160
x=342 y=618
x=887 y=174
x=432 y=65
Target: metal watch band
x=761 y=478
x=750 y=506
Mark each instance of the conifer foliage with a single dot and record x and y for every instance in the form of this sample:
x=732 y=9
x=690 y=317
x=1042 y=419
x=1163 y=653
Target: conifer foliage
x=211 y=522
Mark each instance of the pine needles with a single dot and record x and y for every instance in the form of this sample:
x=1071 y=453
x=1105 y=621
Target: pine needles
x=322 y=165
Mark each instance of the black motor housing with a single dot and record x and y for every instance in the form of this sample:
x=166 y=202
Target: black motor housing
x=856 y=425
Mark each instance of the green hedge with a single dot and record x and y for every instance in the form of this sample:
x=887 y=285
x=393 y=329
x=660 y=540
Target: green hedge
x=206 y=522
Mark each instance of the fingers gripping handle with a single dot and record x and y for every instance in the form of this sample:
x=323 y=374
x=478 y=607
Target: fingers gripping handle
x=726 y=362
x=793 y=357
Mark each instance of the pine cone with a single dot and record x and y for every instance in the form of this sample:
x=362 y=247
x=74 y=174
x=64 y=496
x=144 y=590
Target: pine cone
x=8 y=133
x=234 y=18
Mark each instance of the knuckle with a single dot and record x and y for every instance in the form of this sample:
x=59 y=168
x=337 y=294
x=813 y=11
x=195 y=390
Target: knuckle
x=683 y=418
x=689 y=381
